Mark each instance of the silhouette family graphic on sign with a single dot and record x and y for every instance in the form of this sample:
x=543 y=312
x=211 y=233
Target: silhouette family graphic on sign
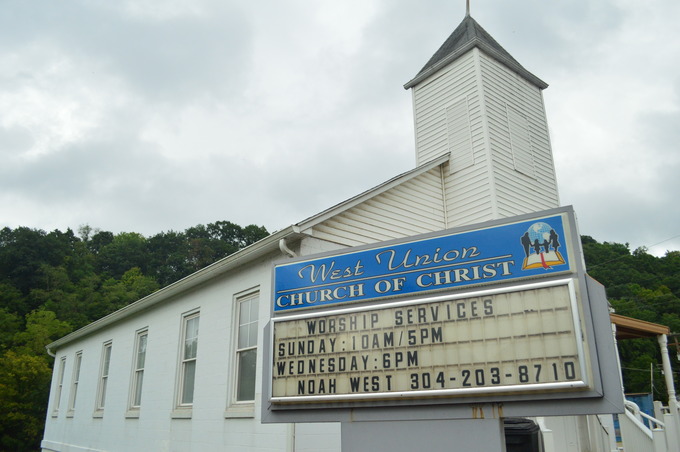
x=541 y=243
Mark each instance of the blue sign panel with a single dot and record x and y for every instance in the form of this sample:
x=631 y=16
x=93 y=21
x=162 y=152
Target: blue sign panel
x=531 y=248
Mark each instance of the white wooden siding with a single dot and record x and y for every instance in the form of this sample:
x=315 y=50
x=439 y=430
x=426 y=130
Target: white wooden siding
x=414 y=207
x=468 y=196
x=154 y=429
x=433 y=97
x=459 y=135
x=493 y=123
x=449 y=117
x=520 y=142
x=469 y=191
x=515 y=111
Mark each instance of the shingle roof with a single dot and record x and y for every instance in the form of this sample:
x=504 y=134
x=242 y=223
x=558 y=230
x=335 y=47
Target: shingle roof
x=467 y=35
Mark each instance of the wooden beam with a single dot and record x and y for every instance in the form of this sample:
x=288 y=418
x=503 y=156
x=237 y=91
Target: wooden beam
x=630 y=328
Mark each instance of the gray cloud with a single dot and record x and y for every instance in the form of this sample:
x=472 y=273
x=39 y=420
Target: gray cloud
x=150 y=116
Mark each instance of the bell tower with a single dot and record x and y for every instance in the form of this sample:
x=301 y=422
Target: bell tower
x=473 y=101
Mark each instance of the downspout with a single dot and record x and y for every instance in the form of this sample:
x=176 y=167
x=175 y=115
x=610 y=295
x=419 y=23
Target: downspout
x=442 y=177
x=291 y=438
x=283 y=246
x=49 y=352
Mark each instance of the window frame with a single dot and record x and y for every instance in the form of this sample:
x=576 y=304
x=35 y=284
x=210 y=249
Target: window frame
x=236 y=407
x=75 y=382
x=104 y=371
x=137 y=373
x=56 y=402
x=182 y=408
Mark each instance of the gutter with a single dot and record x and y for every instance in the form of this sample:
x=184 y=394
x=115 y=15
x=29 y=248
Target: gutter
x=283 y=246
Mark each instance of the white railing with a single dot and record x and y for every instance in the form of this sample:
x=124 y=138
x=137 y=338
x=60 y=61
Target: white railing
x=671 y=417
x=593 y=433
x=546 y=436
x=637 y=437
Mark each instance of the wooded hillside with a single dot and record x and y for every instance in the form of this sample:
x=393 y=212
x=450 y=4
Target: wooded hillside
x=644 y=287
x=53 y=283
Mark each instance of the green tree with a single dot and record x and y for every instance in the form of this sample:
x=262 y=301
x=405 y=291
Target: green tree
x=168 y=257
x=42 y=328
x=56 y=292
x=51 y=283
x=208 y=244
x=24 y=251
x=252 y=234
x=126 y=250
x=644 y=287
x=24 y=389
x=24 y=381
x=98 y=241
x=10 y=324
x=11 y=298
x=131 y=287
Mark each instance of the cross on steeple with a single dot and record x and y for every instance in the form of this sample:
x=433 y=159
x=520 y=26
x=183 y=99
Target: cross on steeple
x=467 y=7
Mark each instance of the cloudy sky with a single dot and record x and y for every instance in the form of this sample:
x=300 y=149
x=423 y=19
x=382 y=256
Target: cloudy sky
x=150 y=116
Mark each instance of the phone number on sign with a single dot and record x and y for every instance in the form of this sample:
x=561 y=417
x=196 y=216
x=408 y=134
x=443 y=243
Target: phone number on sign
x=536 y=373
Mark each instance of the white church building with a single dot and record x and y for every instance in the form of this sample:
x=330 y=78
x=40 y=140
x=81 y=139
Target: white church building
x=182 y=369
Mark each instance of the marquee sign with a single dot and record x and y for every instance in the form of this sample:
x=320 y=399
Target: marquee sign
x=498 y=313
x=489 y=255
x=492 y=342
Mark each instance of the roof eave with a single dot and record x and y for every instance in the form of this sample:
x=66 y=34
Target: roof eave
x=476 y=42
x=258 y=249
x=628 y=327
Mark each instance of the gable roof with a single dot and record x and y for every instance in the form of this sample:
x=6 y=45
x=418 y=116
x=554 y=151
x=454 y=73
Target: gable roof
x=371 y=193
x=267 y=245
x=467 y=35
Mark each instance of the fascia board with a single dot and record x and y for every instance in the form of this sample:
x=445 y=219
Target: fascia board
x=641 y=327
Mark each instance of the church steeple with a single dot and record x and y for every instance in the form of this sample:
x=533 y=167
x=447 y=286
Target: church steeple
x=474 y=101
x=467 y=35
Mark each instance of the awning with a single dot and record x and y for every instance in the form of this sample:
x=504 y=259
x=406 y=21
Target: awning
x=629 y=328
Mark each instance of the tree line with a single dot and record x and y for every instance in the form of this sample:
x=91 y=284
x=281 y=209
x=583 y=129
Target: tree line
x=645 y=287
x=52 y=283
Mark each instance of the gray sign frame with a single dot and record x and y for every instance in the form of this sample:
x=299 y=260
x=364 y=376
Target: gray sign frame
x=604 y=396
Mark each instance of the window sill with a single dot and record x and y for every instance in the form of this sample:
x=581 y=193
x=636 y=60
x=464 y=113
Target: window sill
x=240 y=411
x=132 y=414
x=98 y=414
x=181 y=413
